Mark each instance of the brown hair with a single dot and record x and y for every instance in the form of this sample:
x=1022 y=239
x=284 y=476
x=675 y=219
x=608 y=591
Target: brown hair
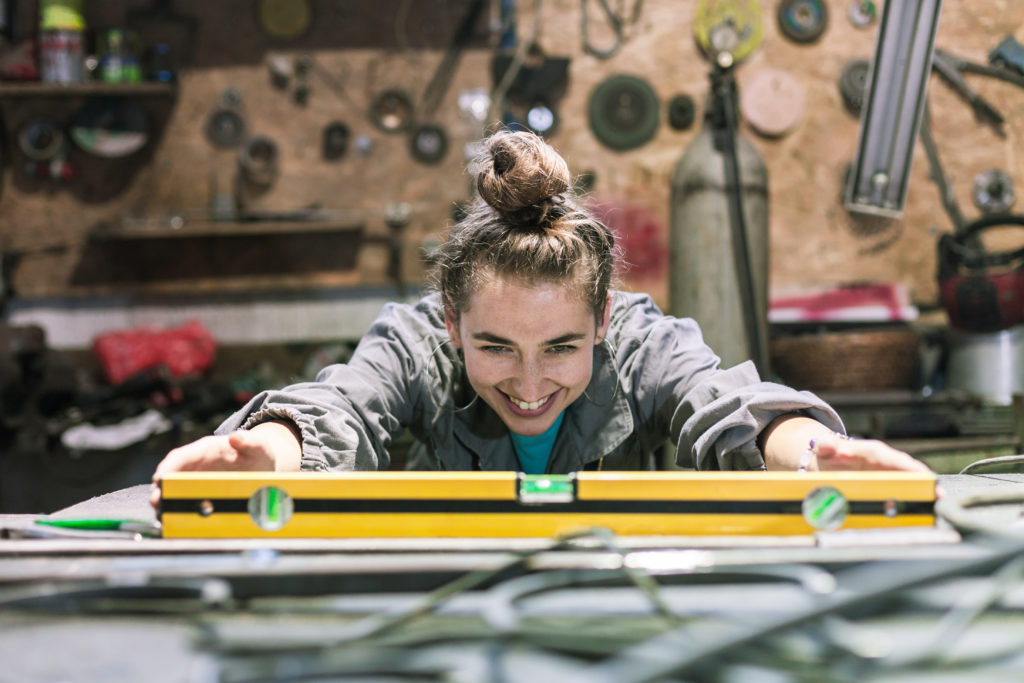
x=525 y=224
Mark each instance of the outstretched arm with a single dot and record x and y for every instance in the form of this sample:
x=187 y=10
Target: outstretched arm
x=784 y=441
x=269 y=446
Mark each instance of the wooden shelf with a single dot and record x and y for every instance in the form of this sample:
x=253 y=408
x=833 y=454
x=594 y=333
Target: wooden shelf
x=244 y=252
x=37 y=89
x=173 y=229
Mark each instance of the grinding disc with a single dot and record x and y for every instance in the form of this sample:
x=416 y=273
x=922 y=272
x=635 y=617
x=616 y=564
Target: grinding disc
x=681 y=112
x=802 y=21
x=772 y=102
x=428 y=143
x=732 y=26
x=853 y=84
x=623 y=112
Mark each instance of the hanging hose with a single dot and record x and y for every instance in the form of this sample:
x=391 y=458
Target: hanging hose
x=725 y=126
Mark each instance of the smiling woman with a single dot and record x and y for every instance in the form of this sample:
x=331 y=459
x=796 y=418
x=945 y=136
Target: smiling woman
x=529 y=350
x=525 y=358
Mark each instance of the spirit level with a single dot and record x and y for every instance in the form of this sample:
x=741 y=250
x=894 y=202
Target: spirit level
x=510 y=504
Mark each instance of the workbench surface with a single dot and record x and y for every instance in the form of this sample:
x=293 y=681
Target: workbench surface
x=878 y=605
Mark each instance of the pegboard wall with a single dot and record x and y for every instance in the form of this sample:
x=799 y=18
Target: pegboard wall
x=355 y=50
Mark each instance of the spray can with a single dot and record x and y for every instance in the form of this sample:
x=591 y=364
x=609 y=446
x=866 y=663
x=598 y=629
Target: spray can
x=707 y=282
x=61 y=41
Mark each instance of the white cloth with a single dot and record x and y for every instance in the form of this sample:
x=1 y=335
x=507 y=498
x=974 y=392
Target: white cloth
x=113 y=437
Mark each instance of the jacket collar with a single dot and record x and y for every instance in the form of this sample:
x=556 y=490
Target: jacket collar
x=594 y=427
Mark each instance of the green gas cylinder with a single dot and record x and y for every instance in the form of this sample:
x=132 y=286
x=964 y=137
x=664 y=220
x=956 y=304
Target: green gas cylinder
x=718 y=240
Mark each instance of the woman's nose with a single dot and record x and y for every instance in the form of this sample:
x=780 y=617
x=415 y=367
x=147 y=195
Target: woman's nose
x=530 y=379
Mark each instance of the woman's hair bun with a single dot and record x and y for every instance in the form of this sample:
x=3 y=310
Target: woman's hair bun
x=519 y=170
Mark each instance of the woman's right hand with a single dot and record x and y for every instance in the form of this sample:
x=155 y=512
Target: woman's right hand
x=271 y=446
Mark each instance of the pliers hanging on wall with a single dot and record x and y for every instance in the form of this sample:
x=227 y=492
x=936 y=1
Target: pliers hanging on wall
x=952 y=68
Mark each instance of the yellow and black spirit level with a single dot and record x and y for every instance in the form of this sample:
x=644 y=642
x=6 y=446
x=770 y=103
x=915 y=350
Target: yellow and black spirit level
x=510 y=504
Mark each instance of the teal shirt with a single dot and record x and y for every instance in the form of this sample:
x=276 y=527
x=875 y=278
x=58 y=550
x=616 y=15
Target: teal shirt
x=534 y=451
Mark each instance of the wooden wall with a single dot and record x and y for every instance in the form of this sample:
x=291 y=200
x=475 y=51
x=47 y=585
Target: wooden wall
x=359 y=48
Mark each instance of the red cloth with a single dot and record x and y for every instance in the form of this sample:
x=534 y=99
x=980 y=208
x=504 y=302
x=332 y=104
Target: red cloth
x=189 y=349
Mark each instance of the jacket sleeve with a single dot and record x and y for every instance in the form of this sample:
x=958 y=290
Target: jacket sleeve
x=712 y=415
x=350 y=414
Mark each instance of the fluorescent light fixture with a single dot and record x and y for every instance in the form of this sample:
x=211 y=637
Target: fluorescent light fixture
x=891 y=115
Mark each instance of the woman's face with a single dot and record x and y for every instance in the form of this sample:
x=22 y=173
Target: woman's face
x=529 y=350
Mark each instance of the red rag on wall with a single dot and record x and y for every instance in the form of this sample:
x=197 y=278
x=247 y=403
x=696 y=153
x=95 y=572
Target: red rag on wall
x=186 y=350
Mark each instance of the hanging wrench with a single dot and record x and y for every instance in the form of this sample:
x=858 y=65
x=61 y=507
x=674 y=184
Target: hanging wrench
x=938 y=175
x=952 y=68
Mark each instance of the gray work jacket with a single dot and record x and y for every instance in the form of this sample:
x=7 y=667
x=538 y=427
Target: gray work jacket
x=655 y=380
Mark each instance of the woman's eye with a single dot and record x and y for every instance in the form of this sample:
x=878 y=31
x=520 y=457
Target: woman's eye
x=496 y=350
x=562 y=349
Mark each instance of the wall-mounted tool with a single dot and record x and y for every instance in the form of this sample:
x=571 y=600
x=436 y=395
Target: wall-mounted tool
x=258 y=161
x=428 y=143
x=392 y=110
x=728 y=26
x=428 y=140
x=284 y=68
x=938 y=174
x=802 y=21
x=335 y=140
x=623 y=112
x=300 y=95
x=993 y=191
x=532 y=89
x=853 y=84
x=44 y=147
x=526 y=84
x=862 y=13
x=40 y=140
x=281 y=70
x=773 y=102
x=952 y=68
x=1009 y=54
x=617 y=24
x=225 y=126
x=682 y=111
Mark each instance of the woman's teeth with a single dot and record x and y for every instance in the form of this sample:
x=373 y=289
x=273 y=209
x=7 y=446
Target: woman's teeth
x=533 y=405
